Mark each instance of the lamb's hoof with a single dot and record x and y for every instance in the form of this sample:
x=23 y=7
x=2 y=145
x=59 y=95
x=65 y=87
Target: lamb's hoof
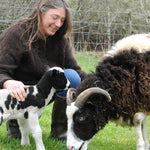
x=139 y=147
x=25 y=144
x=147 y=148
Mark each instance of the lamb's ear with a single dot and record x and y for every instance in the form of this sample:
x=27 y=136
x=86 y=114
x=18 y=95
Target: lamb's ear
x=71 y=94
x=46 y=68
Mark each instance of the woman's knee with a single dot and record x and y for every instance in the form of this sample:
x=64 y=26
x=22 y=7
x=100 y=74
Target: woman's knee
x=73 y=77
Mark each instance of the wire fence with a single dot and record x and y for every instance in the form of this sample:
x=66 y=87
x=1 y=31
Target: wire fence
x=97 y=24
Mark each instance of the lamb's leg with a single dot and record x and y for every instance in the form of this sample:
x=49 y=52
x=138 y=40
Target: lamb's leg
x=36 y=131
x=24 y=129
x=138 y=121
x=147 y=146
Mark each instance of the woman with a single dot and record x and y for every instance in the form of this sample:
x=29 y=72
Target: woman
x=30 y=44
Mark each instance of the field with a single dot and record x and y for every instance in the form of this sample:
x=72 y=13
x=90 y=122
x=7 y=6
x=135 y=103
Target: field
x=112 y=137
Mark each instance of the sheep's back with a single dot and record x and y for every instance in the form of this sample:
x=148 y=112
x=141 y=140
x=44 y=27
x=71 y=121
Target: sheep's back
x=126 y=76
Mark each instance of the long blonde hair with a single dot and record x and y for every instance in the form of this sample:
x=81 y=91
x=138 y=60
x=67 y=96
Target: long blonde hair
x=34 y=21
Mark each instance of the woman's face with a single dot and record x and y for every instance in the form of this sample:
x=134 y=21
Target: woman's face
x=52 y=20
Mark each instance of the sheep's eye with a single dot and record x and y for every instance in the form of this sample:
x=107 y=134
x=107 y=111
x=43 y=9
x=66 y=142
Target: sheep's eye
x=79 y=117
x=82 y=118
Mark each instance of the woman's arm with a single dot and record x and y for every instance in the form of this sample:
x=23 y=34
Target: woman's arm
x=11 y=50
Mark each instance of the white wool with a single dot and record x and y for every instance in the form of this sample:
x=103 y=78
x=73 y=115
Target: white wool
x=138 y=42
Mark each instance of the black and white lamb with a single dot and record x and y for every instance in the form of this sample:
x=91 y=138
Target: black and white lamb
x=119 y=90
x=27 y=112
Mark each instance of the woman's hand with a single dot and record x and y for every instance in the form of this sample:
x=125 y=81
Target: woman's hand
x=16 y=89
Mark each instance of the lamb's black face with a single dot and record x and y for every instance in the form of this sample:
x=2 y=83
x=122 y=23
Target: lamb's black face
x=84 y=126
x=59 y=80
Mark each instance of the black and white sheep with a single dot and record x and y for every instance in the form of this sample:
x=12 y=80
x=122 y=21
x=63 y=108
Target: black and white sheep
x=119 y=90
x=28 y=111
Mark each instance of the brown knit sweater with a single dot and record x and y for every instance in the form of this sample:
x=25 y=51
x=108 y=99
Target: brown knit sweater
x=19 y=63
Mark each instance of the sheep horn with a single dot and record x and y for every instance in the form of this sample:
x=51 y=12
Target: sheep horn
x=70 y=96
x=82 y=97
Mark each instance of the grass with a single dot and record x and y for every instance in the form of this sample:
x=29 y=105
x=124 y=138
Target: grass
x=88 y=60
x=112 y=137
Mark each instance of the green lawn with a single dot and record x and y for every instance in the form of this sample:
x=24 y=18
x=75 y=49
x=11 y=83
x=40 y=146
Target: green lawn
x=112 y=137
x=88 y=60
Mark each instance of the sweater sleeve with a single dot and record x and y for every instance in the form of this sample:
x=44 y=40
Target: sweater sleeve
x=71 y=62
x=10 y=53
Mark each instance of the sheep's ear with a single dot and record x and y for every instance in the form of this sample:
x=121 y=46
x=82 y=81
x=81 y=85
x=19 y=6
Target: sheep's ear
x=46 y=68
x=71 y=94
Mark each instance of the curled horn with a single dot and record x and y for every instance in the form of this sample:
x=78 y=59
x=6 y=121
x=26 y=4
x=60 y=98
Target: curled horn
x=70 y=96
x=81 y=99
